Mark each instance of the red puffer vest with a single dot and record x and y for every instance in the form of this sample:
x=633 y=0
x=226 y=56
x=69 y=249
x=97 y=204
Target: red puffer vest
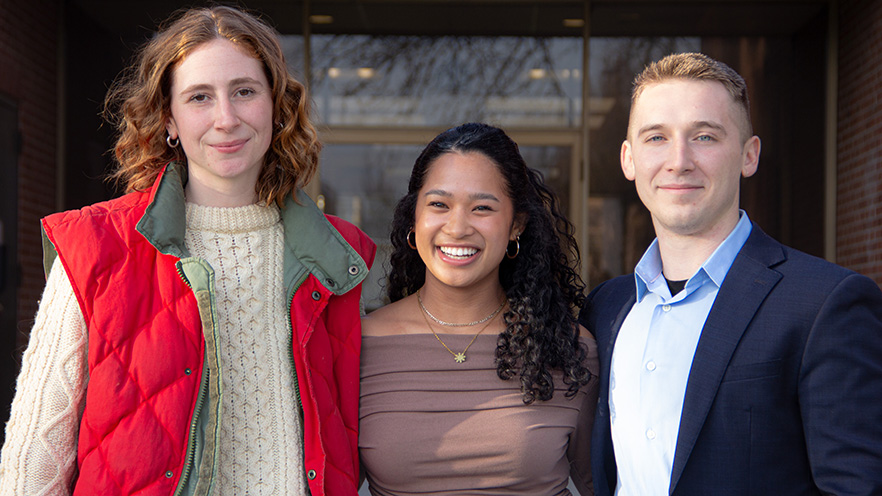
x=151 y=415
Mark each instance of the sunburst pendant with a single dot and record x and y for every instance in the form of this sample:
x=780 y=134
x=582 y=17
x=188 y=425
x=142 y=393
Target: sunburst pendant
x=459 y=357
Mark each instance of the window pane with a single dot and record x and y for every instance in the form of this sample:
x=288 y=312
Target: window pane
x=417 y=81
x=292 y=47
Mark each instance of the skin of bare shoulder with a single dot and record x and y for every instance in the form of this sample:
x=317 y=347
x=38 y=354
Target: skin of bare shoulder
x=585 y=333
x=393 y=319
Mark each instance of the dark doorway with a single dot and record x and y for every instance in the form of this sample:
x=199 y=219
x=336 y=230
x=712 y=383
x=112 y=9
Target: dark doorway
x=10 y=144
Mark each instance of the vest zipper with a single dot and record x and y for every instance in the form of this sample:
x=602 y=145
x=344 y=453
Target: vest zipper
x=191 y=444
x=182 y=276
x=200 y=401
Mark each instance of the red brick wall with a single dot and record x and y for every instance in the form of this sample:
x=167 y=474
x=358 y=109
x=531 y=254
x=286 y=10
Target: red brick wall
x=28 y=76
x=859 y=138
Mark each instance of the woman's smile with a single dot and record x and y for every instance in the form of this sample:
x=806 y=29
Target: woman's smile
x=458 y=253
x=230 y=146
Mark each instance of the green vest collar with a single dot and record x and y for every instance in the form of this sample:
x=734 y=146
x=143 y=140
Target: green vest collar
x=312 y=244
x=318 y=246
x=165 y=221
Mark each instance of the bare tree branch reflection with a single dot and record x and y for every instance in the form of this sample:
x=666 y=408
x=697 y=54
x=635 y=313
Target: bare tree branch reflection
x=443 y=80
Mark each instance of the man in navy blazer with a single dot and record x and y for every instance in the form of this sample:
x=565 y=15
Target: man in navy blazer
x=730 y=364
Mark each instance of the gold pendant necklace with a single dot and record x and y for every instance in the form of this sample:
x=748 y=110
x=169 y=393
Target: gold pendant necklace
x=457 y=357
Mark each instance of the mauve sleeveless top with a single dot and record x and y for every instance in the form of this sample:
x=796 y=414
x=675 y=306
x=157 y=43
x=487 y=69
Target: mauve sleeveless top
x=431 y=426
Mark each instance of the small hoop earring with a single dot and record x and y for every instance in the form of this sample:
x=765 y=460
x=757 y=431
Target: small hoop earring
x=172 y=142
x=411 y=244
x=517 y=242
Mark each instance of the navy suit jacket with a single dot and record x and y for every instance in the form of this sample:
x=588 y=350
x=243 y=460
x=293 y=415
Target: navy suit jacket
x=784 y=396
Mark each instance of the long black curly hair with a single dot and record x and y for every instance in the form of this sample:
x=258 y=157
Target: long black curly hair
x=541 y=283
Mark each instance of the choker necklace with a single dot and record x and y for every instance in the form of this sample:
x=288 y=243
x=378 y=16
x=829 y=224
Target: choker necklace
x=457 y=357
x=450 y=324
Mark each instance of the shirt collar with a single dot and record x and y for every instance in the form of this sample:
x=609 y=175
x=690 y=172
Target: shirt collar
x=648 y=272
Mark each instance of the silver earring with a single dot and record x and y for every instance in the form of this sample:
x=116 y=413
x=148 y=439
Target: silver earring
x=172 y=142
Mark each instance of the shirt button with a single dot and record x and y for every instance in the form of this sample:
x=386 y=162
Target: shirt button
x=650 y=434
x=650 y=366
x=169 y=474
x=666 y=308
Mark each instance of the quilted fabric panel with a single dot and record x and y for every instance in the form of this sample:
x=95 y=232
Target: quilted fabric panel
x=145 y=348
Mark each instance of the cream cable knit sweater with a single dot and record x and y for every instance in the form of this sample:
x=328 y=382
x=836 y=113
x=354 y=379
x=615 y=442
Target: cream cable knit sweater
x=260 y=437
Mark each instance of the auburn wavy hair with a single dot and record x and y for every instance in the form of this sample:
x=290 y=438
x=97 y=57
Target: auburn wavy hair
x=138 y=103
x=542 y=283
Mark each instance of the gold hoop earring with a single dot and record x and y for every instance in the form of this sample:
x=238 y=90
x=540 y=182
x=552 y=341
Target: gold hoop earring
x=411 y=244
x=517 y=242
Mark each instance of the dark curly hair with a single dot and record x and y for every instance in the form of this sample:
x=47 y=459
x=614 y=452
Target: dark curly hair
x=541 y=283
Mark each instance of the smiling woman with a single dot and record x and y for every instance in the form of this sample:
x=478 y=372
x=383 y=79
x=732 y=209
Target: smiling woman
x=194 y=315
x=454 y=399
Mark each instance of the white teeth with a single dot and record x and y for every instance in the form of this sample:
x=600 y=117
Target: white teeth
x=458 y=251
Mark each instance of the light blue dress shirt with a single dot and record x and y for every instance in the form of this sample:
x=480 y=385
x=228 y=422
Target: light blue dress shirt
x=651 y=361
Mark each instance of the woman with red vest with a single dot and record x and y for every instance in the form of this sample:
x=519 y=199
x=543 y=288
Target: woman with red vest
x=199 y=335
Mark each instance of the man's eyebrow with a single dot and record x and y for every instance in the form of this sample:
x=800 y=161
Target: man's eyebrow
x=694 y=125
x=649 y=127
x=713 y=125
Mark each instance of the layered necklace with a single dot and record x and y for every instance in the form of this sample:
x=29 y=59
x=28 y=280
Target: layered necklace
x=457 y=357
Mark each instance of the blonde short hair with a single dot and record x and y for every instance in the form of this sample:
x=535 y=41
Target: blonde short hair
x=699 y=67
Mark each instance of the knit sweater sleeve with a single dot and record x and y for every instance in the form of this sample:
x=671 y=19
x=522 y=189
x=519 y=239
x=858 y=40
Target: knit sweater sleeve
x=40 y=452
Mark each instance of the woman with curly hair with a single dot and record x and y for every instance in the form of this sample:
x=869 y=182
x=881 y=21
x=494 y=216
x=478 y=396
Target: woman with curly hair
x=200 y=334
x=477 y=379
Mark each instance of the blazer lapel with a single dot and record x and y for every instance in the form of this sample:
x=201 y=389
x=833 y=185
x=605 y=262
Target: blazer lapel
x=748 y=282
x=609 y=314
x=606 y=352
